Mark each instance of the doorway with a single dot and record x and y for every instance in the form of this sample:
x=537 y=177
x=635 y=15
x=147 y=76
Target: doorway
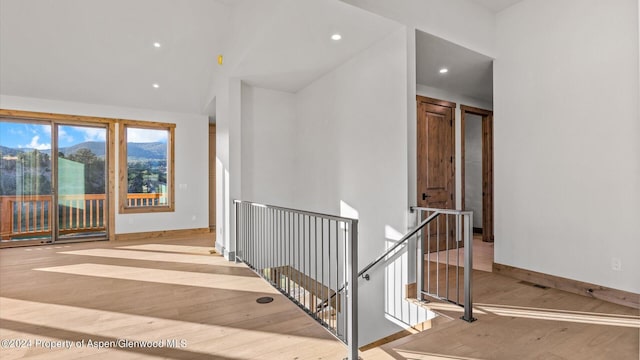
x=55 y=183
x=477 y=168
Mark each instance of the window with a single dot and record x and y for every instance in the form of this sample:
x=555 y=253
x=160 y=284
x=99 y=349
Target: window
x=146 y=167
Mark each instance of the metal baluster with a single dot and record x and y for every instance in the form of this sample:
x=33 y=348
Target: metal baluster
x=262 y=236
x=263 y=230
x=259 y=240
x=245 y=244
x=245 y=224
x=352 y=306
x=276 y=248
x=238 y=224
x=265 y=245
x=298 y=261
x=447 y=257
x=264 y=254
x=256 y=251
x=275 y=264
x=237 y=210
x=304 y=260
x=322 y=267
x=337 y=277
x=294 y=244
x=289 y=260
x=428 y=257
x=345 y=280
x=419 y=264
x=247 y=240
x=252 y=241
x=272 y=261
x=458 y=259
x=251 y=235
x=329 y=274
x=281 y=247
x=247 y=232
x=315 y=276
x=268 y=245
x=254 y=237
x=438 y=256
x=468 y=271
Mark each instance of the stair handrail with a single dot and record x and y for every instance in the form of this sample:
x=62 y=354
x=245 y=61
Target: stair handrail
x=468 y=263
x=363 y=273
x=402 y=240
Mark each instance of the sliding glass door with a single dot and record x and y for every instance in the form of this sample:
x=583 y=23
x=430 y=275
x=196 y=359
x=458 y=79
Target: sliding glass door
x=53 y=182
x=81 y=182
x=25 y=182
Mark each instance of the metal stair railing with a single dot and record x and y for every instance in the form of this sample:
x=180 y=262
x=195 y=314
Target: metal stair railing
x=306 y=256
x=436 y=239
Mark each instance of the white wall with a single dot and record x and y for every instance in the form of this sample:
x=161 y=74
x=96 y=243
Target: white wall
x=268 y=133
x=459 y=100
x=567 y=144
x=191 y=152
x=473 y=167
x=351 y=148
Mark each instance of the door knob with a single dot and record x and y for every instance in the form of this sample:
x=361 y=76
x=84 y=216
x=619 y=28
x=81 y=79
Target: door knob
x=425 y=196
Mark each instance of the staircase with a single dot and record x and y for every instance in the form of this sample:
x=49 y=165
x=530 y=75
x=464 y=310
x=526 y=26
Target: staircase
x=309 y=257
x=312 y=259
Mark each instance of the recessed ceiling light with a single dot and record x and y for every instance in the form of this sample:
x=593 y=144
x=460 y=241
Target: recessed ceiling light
x=156 y=86
x=444 y=71
x=336 y=37
x=157 y=44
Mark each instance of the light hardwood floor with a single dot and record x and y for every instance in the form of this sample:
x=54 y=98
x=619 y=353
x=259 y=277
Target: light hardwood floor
x=518 y=320
x=175 y=290
x=482 y=254
x=153 y=291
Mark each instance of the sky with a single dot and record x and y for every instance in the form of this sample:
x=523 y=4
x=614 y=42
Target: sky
x=36 y=136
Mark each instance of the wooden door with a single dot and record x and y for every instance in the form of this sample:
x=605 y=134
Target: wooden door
x=435 y=167
x=212 y=177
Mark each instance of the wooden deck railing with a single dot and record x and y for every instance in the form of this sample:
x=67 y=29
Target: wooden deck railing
x=32 y=215
x=144 y=199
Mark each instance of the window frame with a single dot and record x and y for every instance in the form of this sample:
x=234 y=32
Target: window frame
x=123 y=186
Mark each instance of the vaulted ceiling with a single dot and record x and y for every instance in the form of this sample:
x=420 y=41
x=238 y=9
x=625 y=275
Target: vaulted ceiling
x=102 y=52
x=295 y=47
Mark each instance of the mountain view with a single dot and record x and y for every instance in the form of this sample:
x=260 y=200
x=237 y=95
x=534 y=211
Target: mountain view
x=135 y=151
x=9 y=151
x=27 y=171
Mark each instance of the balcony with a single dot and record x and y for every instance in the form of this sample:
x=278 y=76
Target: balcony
x=31 y=216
